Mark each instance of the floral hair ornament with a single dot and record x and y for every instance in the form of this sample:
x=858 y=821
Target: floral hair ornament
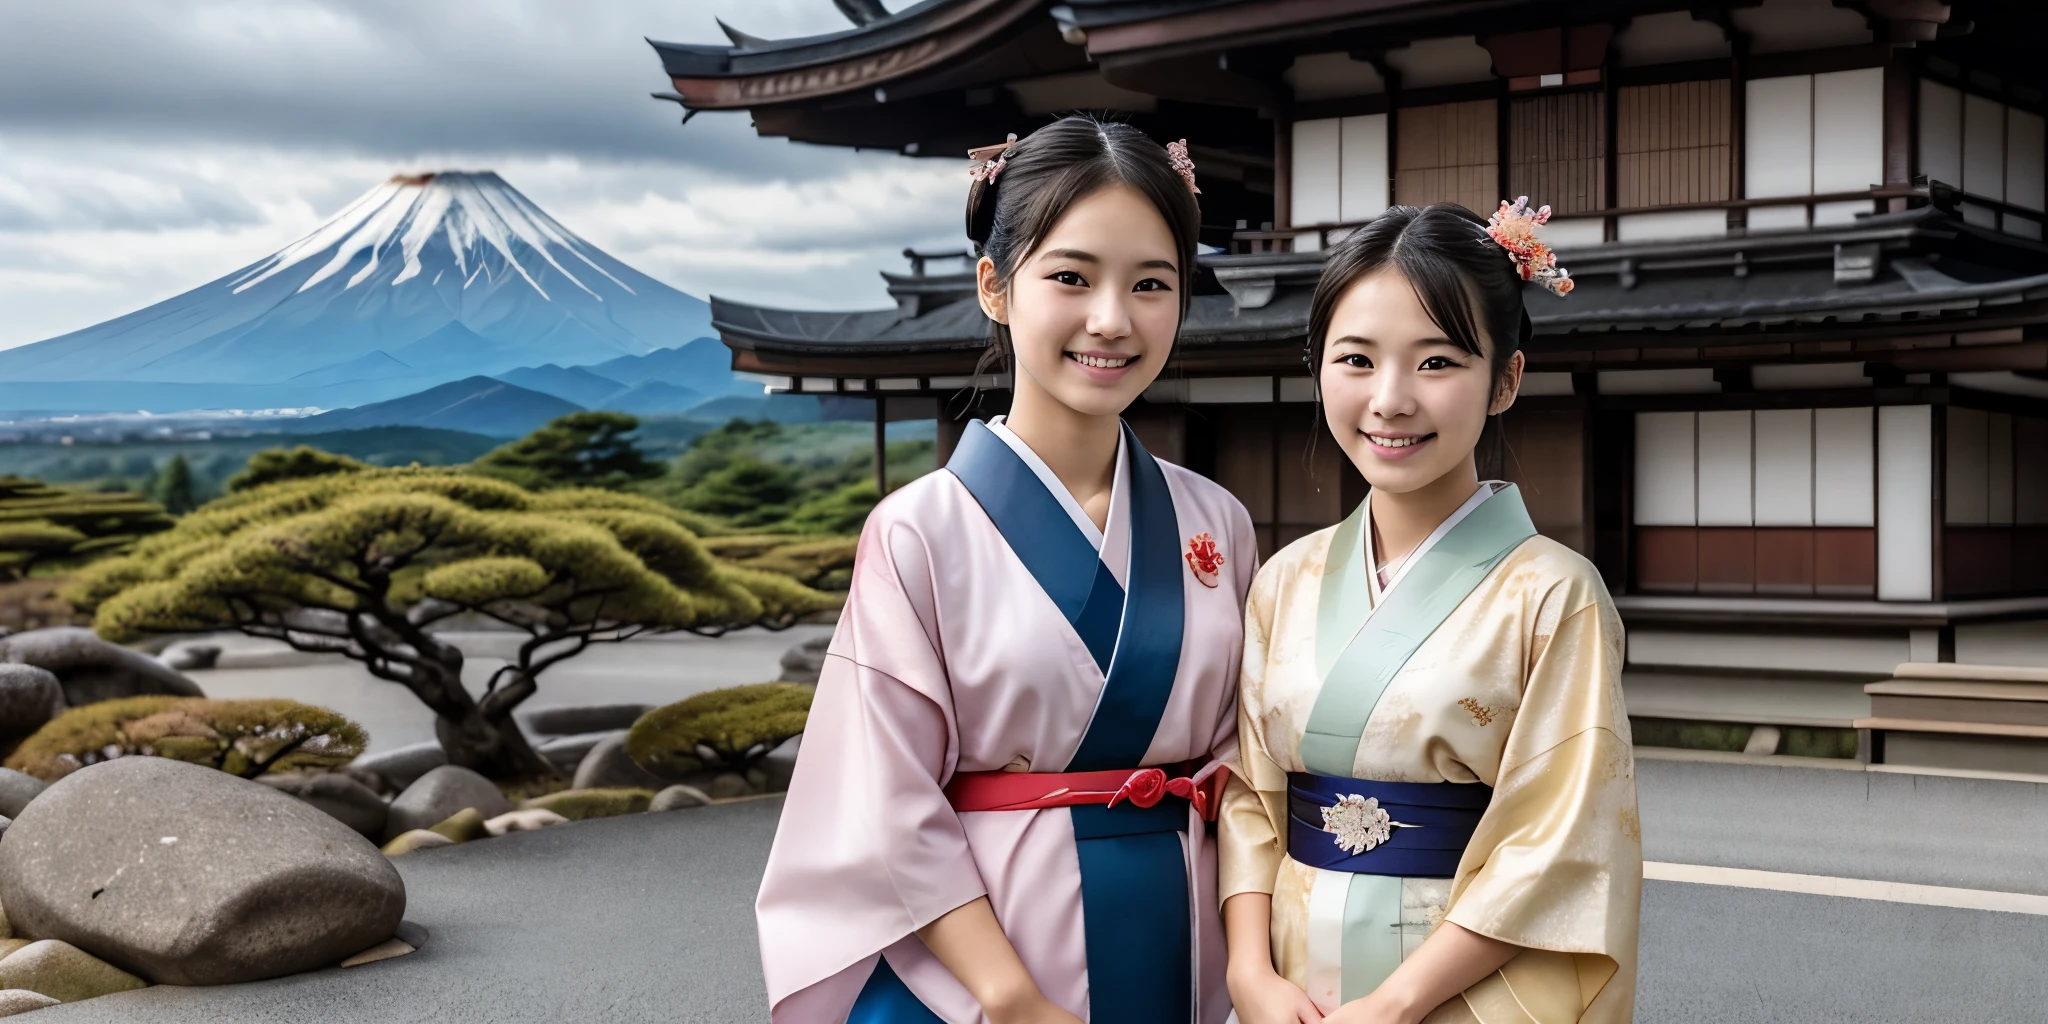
x=1514 y=227
x=1177 y=154
x=988 y=161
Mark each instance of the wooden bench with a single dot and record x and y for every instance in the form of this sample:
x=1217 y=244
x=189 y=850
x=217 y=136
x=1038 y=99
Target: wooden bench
x=1934 y=707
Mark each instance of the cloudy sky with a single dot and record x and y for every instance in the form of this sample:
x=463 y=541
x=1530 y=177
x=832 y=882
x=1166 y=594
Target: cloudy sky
x=149 y=146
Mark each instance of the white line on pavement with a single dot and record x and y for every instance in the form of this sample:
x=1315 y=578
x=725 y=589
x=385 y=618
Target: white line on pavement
x=1849 y=888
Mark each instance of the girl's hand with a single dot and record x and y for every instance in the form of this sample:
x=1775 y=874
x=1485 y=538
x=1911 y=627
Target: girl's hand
x=1264 y=997
x=1381 y=1007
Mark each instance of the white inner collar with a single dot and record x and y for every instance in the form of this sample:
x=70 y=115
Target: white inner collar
x=1116 y=545
x=1395 y=572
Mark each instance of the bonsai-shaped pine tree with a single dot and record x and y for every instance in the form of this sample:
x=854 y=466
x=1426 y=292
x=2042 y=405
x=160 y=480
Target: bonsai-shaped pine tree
x=49 y=527
x=298 y=463
x=174 y=487
x=582 y=449
x=362 y=564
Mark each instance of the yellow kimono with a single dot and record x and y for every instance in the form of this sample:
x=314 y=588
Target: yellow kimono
x=1514 y=683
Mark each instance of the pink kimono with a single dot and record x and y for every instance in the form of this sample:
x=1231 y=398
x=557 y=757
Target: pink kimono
x=988 y=631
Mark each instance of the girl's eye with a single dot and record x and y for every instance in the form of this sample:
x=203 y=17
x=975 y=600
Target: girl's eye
x=1438 y=363
x=1356 y=360
x=1070 y=279
x=1152 y=284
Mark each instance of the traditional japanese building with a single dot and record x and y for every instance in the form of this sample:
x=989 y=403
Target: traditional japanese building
x=1796 y=410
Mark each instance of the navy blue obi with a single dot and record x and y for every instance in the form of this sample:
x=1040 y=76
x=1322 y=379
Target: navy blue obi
x=1417 y=829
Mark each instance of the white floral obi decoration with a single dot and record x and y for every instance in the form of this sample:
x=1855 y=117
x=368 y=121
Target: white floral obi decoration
x=1359 y=823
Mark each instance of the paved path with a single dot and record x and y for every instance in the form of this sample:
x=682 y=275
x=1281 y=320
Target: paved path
x=649 y=918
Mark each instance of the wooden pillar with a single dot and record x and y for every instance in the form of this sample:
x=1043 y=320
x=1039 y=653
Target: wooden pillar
x=1901 y=128
x=1283 y=171
x=882 y=445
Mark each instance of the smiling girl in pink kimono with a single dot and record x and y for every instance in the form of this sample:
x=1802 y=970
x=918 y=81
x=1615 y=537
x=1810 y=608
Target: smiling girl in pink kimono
x=998 y=812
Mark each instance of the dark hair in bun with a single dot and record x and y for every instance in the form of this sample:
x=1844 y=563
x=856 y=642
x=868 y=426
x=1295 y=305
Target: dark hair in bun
x=1045 y=173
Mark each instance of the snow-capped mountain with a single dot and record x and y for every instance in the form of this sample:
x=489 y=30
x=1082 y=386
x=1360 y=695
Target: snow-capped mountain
x=425 y=279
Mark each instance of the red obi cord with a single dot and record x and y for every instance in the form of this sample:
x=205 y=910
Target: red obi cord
x=1143 y=787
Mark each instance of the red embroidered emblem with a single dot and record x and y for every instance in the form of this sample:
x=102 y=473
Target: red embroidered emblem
x=1204 y=559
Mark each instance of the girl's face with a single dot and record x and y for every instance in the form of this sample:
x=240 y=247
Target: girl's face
x=1093 y=310
x=1405 y=403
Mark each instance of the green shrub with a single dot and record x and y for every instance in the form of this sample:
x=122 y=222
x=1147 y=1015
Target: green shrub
x=734 y=726
x=240 y=737
x=298 y=463
x=807 y=560
x=585 y=804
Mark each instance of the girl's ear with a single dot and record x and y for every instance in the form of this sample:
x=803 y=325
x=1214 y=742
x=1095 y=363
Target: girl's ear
x=1510 y=385
x=994 y=294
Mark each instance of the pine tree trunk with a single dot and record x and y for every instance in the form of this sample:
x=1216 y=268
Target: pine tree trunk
x=493 y=745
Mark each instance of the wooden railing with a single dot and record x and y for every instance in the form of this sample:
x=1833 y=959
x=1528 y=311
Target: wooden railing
x=1894 y=198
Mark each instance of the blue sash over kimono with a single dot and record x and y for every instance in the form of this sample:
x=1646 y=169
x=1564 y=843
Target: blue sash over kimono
x=1134 y=881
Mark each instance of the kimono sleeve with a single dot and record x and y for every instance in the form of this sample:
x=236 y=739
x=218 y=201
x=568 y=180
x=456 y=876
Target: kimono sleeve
x=868 y=849
x=1556 y=863
x=1249 y=839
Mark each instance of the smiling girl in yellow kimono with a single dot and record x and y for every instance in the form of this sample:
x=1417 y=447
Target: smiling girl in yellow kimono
x=1433 y=815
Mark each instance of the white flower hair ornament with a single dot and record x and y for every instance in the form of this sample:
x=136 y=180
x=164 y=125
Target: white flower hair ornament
x=1513 y=226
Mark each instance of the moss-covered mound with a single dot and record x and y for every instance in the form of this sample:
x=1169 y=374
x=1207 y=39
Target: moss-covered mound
x=240 y=737
x=585 y=804
x=812 y=561
x=734 y=727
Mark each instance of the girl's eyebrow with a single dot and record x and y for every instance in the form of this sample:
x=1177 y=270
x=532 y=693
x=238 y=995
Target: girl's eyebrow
x=1160 y=265
x=1068 y=254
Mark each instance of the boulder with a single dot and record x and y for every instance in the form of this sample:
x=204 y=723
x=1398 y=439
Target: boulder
x=350 y=802
x=778 y=765
x=91 y=669
x=388 y=771
x=803 y=663
x=186 y=875
x=64 y=972
x=10 y=945
x=581 y=718
x=186 y=655
x=462 y=826
x=529 y=819
x=677 y=797
x=727 y=785
x=607 y=766
x=21 y=1000
x=17 y=789
x=567 y=752
x=440 y=793
x=584 y=804
x=415 y=840
x=29 y=698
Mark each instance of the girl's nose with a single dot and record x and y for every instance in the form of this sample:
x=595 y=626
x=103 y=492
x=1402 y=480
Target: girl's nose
x=1107 y=317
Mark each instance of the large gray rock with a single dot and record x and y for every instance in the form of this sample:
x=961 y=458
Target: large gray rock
x=91 y=669
x=440 y=793
x=16 y=790
x=350 y=802
x=678 y=797
x=803 y=663
x=189 y=876
x=581 y=718
x=608 y=767
x=392 y=770
x=29 y=697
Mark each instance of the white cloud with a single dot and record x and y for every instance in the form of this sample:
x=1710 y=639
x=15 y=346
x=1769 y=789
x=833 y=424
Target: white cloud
x=230 y=128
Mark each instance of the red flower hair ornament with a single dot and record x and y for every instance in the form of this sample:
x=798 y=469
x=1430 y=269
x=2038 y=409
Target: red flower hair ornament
x=1514 y=227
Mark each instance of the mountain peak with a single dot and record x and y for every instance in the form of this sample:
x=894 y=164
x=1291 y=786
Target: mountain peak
x=450 y=273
